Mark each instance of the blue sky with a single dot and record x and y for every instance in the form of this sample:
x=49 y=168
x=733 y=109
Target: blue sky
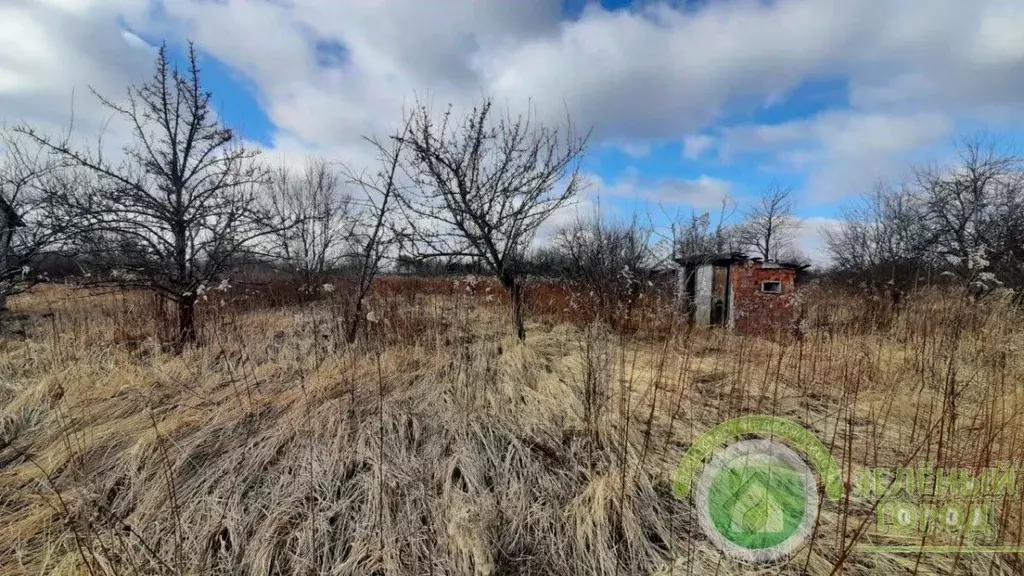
x=690 y=101
x=237 y=99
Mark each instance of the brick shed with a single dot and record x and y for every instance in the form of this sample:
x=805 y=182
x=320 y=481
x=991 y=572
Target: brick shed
x=739 y=292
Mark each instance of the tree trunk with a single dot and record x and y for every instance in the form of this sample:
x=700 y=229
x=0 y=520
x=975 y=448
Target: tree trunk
x=353 y=327
x=515 y=295
x=7 y=285
x=186 y=320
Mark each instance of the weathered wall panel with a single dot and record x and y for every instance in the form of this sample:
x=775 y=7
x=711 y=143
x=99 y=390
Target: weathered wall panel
x=702 y=294
x=718 y=285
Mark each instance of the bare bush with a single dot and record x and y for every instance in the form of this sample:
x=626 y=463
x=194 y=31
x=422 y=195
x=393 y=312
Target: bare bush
x=30 y=181
x=702 y=233
x=612 y=260
x=375 y=234
x=880 y=239
x=974 y=214
x=964 y=221
x=323 y=217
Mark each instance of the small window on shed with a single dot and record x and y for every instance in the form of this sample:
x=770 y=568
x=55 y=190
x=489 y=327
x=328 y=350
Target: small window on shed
x=771 y=286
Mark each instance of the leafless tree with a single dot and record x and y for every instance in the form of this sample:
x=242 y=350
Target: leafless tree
x=180 y=202
x=483 y=186
x=975 y=213
x=769 y=222
x=882 y=238
x=375 y=235
x=612 y=259
x=702 y=233
x=29 y=181
x=794 y=255
x=964 y=220
x=323 y=217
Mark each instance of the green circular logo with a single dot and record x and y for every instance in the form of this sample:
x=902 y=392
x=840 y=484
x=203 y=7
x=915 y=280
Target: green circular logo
x=757 y=500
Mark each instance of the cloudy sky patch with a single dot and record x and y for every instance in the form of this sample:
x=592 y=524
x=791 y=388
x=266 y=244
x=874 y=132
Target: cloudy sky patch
x=688 y=101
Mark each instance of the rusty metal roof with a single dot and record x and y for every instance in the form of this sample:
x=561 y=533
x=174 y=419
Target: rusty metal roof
x=724 y=258
x=713 y=258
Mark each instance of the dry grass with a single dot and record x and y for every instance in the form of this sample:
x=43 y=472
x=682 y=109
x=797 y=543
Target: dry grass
x=440 y=445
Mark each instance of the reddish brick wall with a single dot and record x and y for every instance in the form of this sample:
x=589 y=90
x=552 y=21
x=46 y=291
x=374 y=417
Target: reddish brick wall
x=761 y=312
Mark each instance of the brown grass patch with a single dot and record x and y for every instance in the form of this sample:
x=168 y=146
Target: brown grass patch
x=438 y=444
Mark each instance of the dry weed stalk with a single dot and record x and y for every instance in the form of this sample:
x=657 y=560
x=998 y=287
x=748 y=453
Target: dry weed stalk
x=438 y=445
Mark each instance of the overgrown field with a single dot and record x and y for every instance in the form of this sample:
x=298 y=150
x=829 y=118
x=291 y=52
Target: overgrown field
x=439 y=444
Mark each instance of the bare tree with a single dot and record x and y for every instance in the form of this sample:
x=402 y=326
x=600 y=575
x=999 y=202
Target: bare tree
x=180 y=203
x=323 y=217
x=704 y=234
x=964 y=220
x=29 y=181
x=975 y=213
x=375 y=236
x=612 y=259
x=484 y=186
x=881 y=239
x=769 y=222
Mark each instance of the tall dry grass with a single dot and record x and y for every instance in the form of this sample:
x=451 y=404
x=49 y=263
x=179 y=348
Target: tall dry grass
x=438 y=444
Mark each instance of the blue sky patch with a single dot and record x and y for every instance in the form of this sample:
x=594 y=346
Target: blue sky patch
x=855 y=107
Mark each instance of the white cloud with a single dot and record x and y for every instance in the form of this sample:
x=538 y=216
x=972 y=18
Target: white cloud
x=392 y=53
x=583 y=207
x=695 y=145
x=53 y=52
x=835 y=133
x=841 y=153
x=701 y=193
x=649 y=75
x=633 y=149
x=809 y=238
